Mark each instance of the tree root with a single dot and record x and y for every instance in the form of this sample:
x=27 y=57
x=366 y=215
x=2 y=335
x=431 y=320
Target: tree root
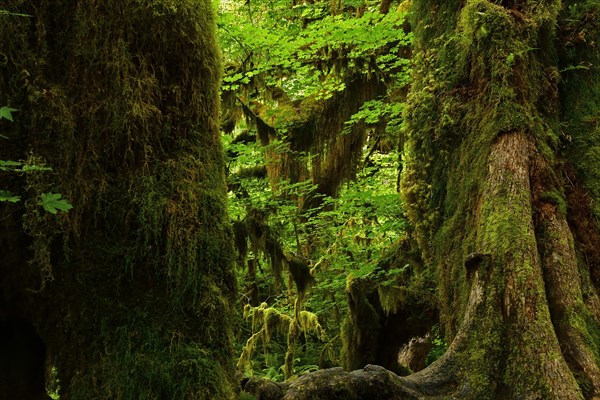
x=440 y=380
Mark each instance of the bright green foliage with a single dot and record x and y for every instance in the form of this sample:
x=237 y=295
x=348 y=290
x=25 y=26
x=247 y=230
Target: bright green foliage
x=53 y=203
x=439 y=346
x=374 y=111
x=5 y=195
x=306 y=52
x=16 y=166
x=10 y=166
x=6 y=112
x=354 y=229
x=49 y=201
x=314 y=94
x=6 y=12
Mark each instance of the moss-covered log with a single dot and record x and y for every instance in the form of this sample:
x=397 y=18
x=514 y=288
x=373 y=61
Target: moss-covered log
x=131 y=291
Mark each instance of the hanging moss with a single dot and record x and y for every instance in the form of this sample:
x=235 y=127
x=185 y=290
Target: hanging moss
x=387 y=308
x=121 y=100
x=306 y=140
x=267 y=323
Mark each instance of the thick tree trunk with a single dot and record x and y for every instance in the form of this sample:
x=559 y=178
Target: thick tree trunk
x=484 y=176
x=502 y=220
x=132 y=290
x=529 y=345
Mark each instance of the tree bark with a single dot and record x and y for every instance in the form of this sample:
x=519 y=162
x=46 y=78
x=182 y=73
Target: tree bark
x=500 y=217
x=132 y=291
x=484 y=175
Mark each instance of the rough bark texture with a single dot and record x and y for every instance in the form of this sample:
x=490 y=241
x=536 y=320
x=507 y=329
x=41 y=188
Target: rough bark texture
x=484 y=138
x=130 y=291
x=413 y=355
x=501 y=185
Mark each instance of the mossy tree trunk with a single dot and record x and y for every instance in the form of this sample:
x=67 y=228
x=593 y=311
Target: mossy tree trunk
x=131 y=291
x=496 y=125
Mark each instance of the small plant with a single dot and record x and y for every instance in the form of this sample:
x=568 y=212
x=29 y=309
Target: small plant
x=439 y=345
x=51 y=202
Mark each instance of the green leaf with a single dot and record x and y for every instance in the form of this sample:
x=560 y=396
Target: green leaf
x=8 y=165
x=6 y=12
x=17 y=166
x=5 y=195
x=32 y=168
x=6 y=112
x=53 y=203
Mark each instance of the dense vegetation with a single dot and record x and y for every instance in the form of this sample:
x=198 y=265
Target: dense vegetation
x=312 y=105
x=411 y=184
x=493 y=151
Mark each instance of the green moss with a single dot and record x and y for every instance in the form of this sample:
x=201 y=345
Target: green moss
x=361 y=326
x=486 y=347
x=246 y=396
x=580 y=94
x=142 y=366
x=589 y=169
x=121 y=100
x=478 y=76
x=267 y=323
x=557 y=199
x=585 y=324
x=483 y=71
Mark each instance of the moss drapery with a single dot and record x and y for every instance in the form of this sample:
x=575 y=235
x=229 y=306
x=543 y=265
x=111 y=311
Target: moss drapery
x=132 y=289
x=500 y=185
